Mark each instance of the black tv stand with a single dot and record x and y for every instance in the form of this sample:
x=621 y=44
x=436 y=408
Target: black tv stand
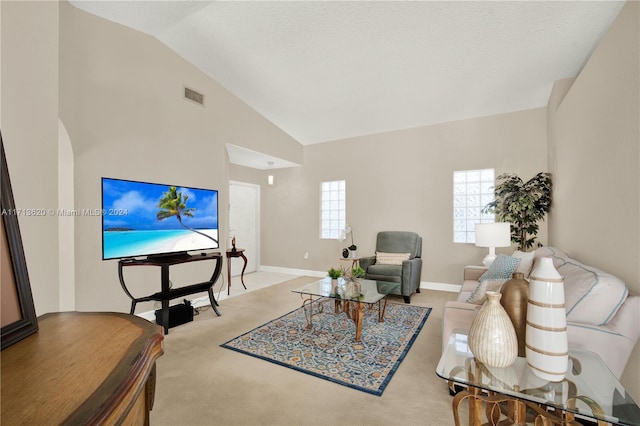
x=167 y=294
x=164 y=258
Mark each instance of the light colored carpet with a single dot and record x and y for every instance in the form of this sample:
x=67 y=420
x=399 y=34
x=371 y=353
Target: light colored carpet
x=201 y=383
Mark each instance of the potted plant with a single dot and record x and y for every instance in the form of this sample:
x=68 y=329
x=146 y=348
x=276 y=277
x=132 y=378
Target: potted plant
x=334 y=274
x=523 y=204
x=357 y=272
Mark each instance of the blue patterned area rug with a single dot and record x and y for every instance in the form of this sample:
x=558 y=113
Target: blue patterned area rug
x=329 y=349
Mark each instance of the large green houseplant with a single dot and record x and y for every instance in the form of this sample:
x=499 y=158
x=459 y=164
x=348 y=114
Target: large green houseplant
x=523 y=204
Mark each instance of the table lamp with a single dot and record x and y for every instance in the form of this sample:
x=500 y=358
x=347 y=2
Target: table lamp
x=492 y=235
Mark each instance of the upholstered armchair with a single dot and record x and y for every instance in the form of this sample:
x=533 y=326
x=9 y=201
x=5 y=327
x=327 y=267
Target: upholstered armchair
x=398 y=259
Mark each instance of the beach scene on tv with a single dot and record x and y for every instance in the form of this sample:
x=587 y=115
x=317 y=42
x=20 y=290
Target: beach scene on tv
x=141 y=219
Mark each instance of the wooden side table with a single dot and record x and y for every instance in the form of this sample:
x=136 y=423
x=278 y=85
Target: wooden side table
x=231 y=253
x=355 y=261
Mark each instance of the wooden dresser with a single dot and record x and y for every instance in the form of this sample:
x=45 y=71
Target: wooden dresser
x=81 y=368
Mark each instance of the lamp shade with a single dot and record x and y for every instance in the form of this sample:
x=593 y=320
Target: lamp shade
x=493 y=234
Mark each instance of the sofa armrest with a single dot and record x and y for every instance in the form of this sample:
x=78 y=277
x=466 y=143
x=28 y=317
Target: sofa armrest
x=365 y=262
x=473 y=272
x=627 y=319
x=457 y=315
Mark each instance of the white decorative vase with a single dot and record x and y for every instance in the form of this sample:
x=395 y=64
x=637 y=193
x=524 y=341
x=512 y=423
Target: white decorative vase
x=547 y=348
x=492 y=337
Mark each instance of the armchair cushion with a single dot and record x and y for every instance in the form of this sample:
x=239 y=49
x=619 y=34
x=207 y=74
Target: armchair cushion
x=383 y=258
x=385 y=270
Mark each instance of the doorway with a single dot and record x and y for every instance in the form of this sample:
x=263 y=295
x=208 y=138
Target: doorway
x=244 y=224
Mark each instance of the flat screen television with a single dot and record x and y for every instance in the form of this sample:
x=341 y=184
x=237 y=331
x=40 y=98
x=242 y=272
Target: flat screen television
x=151 y=219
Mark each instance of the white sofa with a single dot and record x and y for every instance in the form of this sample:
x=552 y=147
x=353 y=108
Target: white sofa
x=602 y=316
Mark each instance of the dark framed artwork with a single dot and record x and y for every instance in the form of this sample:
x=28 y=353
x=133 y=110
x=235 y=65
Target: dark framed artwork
x=18 y=313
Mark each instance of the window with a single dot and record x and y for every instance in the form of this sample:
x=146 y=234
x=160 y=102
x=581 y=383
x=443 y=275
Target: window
x=472 y=190
x=333 y=211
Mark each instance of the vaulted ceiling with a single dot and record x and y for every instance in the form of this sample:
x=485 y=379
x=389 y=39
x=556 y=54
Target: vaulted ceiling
x=325 y=70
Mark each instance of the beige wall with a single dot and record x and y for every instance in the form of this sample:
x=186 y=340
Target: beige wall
x=597 y=150
x=119 y=97
x=29 y=121
x=595 y=135
x=122 y=105
x=400 y=180
x=248 y=174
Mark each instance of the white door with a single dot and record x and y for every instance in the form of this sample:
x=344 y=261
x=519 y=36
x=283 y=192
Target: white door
x=244 y=224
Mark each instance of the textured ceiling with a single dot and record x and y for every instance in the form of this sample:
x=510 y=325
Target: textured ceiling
x=323 y=70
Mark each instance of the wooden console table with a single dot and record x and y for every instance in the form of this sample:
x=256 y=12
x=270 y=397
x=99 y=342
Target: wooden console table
x=81 y=368
x=231 y=253
x=167 y=293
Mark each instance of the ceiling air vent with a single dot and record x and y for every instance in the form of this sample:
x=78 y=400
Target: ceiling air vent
x=194 y=96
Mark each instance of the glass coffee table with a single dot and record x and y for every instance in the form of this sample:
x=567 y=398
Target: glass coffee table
x=347 y=297
x=514 y=395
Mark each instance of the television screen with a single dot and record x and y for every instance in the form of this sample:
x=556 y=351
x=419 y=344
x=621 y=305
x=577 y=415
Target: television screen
x=147 y=219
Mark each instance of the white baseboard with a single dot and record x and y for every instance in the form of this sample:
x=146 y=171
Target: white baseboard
x=148 y=315
x=453 y=288
x=290 y=271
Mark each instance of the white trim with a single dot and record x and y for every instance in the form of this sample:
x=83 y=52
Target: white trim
x=148 y=315
x=453 y=288
x=291 y=271
x=258 y=217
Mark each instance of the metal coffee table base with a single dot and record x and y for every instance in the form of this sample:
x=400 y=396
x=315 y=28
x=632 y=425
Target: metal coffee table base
x=352 y=309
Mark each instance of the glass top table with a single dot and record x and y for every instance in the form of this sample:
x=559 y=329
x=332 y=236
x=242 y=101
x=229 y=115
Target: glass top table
x=589 y=389
x=348 y=297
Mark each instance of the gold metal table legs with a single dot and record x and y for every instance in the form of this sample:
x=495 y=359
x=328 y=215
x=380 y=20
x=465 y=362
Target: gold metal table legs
x=506 y=410
x=352 y=309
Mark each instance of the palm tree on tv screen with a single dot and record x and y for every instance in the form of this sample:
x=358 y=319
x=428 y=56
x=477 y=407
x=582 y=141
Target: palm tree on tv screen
x=173 y=203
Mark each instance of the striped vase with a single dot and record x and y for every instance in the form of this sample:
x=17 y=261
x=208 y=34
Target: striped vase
x=546 y=331
x=492 y=338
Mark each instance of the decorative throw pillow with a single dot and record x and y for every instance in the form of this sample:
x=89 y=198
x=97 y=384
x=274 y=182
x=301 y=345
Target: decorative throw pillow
x=479 y=295
x=526 y=261
x=501 y=268
x=391 y=258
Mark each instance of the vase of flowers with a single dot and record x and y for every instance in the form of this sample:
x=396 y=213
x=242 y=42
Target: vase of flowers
x=352 y=279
